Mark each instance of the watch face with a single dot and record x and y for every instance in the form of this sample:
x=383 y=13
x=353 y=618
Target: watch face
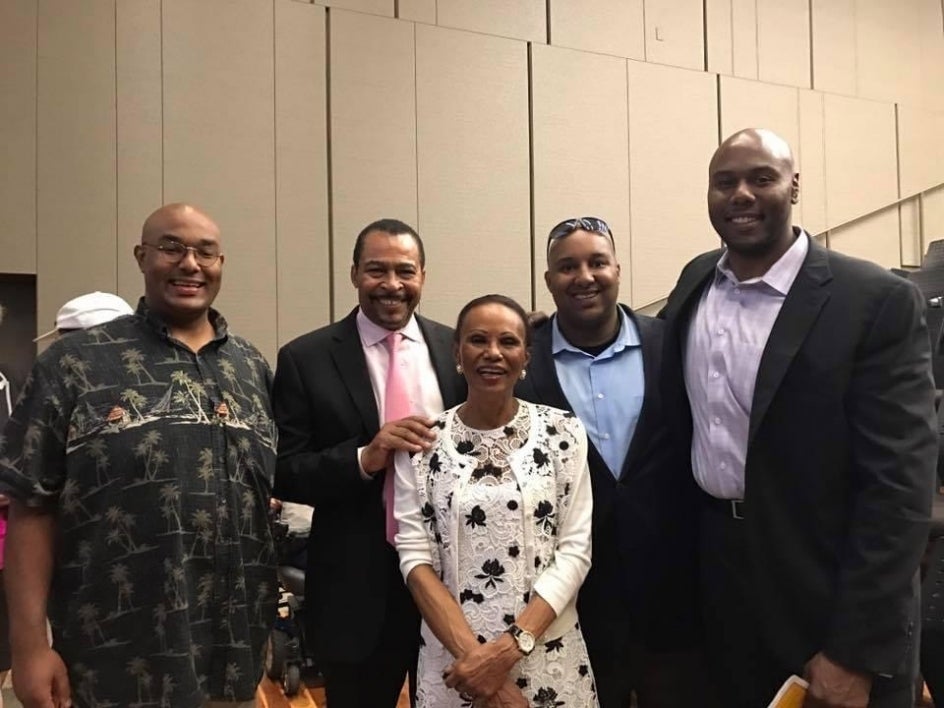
x=526 y=642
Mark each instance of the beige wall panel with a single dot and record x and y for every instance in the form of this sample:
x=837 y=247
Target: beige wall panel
x=301 y=178
x=909 y=219
x=519 y=19
x=861 y=161
x=374 y=7
x=581 y=157
x=744 y=38
x=373 y=134
x=888 y=57
x=875 y=239
x=675 y=33
x=219 y=72
x=603 y=26
x=811 y=161
x=417 y=11
x=474 y=182
x=140 y=149
x=669 y=219
x=720 y=39
x=751 y=104
x=783 y=42
x=834 y=46
x=932 y=216
x=18 y=135
x=932 y=53
x=76 y=151
x=920 y=149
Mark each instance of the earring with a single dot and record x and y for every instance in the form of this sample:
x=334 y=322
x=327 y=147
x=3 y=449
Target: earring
x=524 y=373
x=458 y=368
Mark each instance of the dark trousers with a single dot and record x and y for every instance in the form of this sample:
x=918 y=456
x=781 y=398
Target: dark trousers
x=747 y=674
x=623 y=667
x=376 y=681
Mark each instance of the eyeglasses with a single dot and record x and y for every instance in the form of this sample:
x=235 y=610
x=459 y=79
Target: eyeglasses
x=587 y=223
x=174 y=252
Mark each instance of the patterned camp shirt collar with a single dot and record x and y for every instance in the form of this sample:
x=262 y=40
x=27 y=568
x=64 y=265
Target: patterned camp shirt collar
x=154 y=320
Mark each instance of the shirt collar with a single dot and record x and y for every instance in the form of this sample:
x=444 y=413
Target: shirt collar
x=780 y=275
x=220 y=328
x=627 y=337
x=372 y=333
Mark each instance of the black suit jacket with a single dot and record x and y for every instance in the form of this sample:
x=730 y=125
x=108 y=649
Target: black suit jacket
x=325 y=409
x=644 y=522
x=840 y=459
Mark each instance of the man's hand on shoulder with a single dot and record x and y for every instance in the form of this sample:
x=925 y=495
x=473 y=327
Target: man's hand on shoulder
x=412 y=434
x=835 y=686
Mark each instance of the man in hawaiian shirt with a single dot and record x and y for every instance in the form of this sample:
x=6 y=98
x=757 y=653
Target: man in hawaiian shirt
x=139 y=460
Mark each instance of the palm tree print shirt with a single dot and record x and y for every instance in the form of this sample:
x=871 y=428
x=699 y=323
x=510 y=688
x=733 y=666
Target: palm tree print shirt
x=158 y=463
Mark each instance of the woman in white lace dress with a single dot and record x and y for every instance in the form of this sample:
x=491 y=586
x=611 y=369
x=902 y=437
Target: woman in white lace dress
x=494 y=534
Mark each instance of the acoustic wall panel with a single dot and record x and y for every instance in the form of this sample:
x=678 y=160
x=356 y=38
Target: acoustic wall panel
x=888 y=56
x=581 y=154
x=875 y=238
x=519 y=19
x=812 y=163
x=909 y=219
x=603 y=26
x=374 y=7
x=140 y=125
x=834 y=45
x=783 y=42
x=932 y=216
x=219 y=145
x=673 y=133
x=920 y=149
x=373 y=134
x=744 y=38
x=417 y=11
x=930 y=23
x=18 y=136
x=675 y=33
x=301 y=176
x=861 y=161
x=474 y=186
x=719 y=35
x=76 y=134
x=752 y=104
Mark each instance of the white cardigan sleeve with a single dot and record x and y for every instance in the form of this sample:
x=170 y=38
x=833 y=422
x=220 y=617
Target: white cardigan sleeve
x=559 y=582
x=412 y=539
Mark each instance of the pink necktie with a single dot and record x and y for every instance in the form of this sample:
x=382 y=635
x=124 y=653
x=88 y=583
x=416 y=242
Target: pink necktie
x=396 y=406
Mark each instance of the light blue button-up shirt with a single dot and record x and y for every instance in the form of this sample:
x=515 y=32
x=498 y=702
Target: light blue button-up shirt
x=605 y=391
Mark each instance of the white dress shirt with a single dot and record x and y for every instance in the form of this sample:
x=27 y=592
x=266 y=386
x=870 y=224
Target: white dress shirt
x=422 y=384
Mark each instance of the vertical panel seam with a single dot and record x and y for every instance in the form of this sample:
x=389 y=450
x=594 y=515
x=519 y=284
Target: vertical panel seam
x=329 y=165
x=416 y=128
x=36 y=162
x=809 y=5
x=901 y=250
x=547 y=19
x=275 y=169
x=533 y=224
x=629 y=186
x=163 y=125
x=117 y=204
x=704 y=34
x=645 y=41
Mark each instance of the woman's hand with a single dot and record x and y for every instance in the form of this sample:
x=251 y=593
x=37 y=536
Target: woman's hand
x=508 y=696
x=482 y=671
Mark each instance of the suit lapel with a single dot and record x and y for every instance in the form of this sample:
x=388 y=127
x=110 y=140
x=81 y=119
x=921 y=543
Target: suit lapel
x=651 y=353
x=348 y=355
x=800 y=309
